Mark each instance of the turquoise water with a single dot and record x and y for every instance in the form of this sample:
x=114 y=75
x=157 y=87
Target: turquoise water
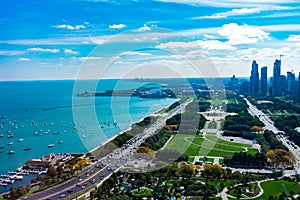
x=46 y=112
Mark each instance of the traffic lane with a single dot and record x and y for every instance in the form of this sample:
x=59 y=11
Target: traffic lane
x=81 y=185
x=62 y=186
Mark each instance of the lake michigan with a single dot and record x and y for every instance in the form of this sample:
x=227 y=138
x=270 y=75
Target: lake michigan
x=37 y=114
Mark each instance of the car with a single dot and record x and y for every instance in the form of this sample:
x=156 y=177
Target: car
x=70 y=191
x=62 y=195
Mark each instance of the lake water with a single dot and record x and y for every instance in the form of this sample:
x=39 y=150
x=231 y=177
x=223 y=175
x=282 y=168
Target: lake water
x=46 y=112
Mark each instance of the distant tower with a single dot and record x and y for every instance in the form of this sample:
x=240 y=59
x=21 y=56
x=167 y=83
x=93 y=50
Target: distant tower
x=254 y=79
x=276 y=86
x=299 y=84
x=264 y=81
x=290 y=81
x=233 y=84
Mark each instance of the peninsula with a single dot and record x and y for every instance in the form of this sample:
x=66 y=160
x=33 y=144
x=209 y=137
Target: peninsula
x=145 y=91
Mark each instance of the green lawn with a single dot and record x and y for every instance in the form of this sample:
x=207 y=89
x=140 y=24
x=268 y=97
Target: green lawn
x=207 y=159
x=213 y=146
x=216 y=102
x=144 y=192
x=245 y=193
x=277 y=187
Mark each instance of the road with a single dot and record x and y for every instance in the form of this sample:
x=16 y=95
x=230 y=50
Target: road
x=269 y=124
x=107 y=165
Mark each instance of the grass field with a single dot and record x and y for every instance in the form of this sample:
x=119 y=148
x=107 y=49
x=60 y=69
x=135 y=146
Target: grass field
x=211 y=146
x=277 y=187
x=216 y=102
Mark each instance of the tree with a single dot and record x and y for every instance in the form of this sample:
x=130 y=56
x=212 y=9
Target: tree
x=280 y=157
x=51 y=171
x=213 y=171
x=186 y=171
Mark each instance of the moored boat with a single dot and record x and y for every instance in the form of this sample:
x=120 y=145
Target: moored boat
x=27 y=149
x=10 y=152
x=50 y=145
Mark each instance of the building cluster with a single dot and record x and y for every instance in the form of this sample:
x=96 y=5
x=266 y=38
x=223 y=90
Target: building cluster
x=277 y=85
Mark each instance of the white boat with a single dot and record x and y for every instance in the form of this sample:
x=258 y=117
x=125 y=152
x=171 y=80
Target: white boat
x=10 y=152
x=60 y=142
x=10 y=143
x=8 y=181
x=20 y=140
x=3 y=184
x=51 y=145
x=16 y=177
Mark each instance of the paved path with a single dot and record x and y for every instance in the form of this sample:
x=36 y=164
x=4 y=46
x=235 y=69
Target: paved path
x=223 y=194
x=269 y=125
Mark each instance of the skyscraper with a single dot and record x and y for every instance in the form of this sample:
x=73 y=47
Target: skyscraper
x=276 y=86
x=290 y=81
x=299 y=84
x=264 y=81
x=233 y=84
x=254 y=79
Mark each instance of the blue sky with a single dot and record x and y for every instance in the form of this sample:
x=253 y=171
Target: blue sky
x=69 y=39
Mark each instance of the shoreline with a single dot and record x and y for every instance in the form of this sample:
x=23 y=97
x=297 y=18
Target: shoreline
x=94 y=150
x=128 y=129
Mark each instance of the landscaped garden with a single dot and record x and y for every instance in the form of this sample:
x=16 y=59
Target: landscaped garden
x=211 y=145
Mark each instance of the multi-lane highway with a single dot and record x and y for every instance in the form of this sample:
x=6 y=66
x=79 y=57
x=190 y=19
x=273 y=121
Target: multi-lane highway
x=269 y=124
x=105 y=166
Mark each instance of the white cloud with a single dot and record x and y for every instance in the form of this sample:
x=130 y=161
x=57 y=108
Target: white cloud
x=175 y=45
x=215 y=45
x=86 y=23
x=243 y=34
x=69 y=51
x=205 y=44
x=294 y=38
x=90 y=58
x=232 y=3
x=37 y=49
x=97 y=40
x=11 y=52
x=117 y=26
x=69 y=27
x=234 y=12
x=24 y=59
x=136 y=53
x=144 y=28
x=208 y=36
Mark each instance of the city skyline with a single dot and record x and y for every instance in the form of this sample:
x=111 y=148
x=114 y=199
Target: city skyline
x=55 y=39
